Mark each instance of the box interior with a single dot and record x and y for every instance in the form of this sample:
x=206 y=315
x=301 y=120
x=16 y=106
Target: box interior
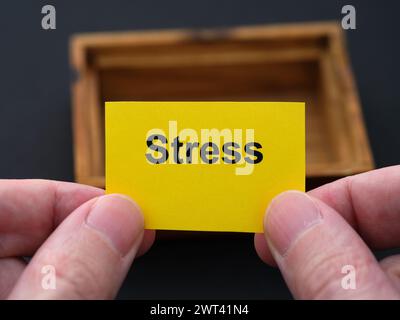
x=236 y=70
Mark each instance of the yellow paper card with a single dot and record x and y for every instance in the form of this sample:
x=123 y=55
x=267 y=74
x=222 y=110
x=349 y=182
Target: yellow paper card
x=205 y=166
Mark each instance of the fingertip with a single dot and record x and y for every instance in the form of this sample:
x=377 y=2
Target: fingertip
x=128 y=199
x=288 y=216
x=148 y=237
x=147 y=242
x=119 y=219
x=263 y=250
x=391 y=266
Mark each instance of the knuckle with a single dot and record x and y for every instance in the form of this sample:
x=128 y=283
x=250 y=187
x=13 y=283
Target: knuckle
x=321 y=276
x=76 y=278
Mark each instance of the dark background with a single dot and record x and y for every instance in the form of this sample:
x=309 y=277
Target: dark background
x=35 y=121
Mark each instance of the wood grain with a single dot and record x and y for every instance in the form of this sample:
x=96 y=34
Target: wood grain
x=296 y=62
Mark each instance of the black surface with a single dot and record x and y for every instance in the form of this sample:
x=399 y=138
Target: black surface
x=35 y=128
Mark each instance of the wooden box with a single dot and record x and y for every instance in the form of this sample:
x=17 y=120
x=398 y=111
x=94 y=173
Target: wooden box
x=295 y=62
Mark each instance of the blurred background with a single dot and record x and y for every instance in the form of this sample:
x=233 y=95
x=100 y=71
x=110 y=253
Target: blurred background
x=35 y=116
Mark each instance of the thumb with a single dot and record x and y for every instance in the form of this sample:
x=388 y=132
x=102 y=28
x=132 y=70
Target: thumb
x=314 y=248
x=88 y=255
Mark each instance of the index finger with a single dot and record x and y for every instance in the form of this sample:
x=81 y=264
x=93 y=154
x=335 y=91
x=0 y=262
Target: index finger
x=31 y=209
x=370 y=203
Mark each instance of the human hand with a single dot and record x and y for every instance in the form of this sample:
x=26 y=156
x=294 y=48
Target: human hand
x=311 y=237
x=89 y=239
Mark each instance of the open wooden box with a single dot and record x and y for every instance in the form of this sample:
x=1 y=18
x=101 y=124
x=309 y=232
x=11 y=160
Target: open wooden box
x=295 y=62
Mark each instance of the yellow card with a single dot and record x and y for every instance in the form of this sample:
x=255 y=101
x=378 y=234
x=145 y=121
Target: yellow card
x=205 y=166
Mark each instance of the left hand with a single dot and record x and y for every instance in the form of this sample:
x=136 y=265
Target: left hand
x=87 y=239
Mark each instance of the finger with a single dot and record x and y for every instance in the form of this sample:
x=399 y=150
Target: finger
x=312 y=244
x=31 y=209
x=148 y=240
x=10 y=271
x=391 y=265
x=262 y=249
x=90 y=252
x=370 y=202
x=358 y=199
